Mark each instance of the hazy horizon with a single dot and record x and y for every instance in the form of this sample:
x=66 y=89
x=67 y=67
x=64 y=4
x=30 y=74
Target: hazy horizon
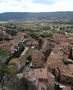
x=35 y=5
x=35 y=12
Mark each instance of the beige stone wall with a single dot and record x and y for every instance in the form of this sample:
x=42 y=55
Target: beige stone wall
x=66 y=88
x=38 y=63
x=66 y=80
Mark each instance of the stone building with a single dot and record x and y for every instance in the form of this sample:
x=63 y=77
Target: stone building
x=40 y=77
x=38 y=59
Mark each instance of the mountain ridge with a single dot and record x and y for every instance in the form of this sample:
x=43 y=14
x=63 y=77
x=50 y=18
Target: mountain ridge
x=38 y=15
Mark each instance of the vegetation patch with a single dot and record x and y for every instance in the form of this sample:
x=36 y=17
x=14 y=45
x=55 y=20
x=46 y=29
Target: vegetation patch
x=29 y=52
x=1 y=38
x=11 y=69
x=11 y=32
x=4 y=52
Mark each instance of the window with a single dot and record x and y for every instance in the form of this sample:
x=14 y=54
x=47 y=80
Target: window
x=69 y=83
x=67 y=79
x=63 y=81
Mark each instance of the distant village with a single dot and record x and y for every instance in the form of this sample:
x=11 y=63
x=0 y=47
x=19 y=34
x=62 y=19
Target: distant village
x=46 y=62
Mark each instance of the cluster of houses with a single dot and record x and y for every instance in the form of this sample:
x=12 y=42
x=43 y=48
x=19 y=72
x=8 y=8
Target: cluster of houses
x=50 y=64
x=50 y=67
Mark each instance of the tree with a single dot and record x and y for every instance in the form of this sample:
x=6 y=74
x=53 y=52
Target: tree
x=1 y=38
x=21 y=84
x=40 y=42
x=11 y=32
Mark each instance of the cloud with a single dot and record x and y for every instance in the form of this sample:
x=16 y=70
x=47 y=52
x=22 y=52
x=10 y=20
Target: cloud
x=35 y=5
x=44 y=1
x=63 y=5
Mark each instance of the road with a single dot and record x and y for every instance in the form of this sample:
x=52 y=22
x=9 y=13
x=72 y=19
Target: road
x=26 y=48
x=26 y=68
x=60 y=84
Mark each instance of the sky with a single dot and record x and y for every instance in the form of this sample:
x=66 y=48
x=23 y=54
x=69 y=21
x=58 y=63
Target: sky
x=35 y=5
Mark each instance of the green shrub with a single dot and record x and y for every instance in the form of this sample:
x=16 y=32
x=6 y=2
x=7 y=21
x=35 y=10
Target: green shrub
x=50 y=35
x=29 y=53
x=33 y=35
x=11 y=69
x=21 y=84
x=1 y=38
x=4 y=52
x=11 y=32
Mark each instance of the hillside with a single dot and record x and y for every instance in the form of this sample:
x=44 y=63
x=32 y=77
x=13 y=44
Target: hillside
x=41 y=15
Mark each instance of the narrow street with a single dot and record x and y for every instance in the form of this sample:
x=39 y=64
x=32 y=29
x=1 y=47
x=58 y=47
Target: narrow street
x=26 y=48
x=26 y=68
x=60 y=84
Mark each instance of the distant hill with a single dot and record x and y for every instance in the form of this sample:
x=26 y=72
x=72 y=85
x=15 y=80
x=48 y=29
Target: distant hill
x=42 y=15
